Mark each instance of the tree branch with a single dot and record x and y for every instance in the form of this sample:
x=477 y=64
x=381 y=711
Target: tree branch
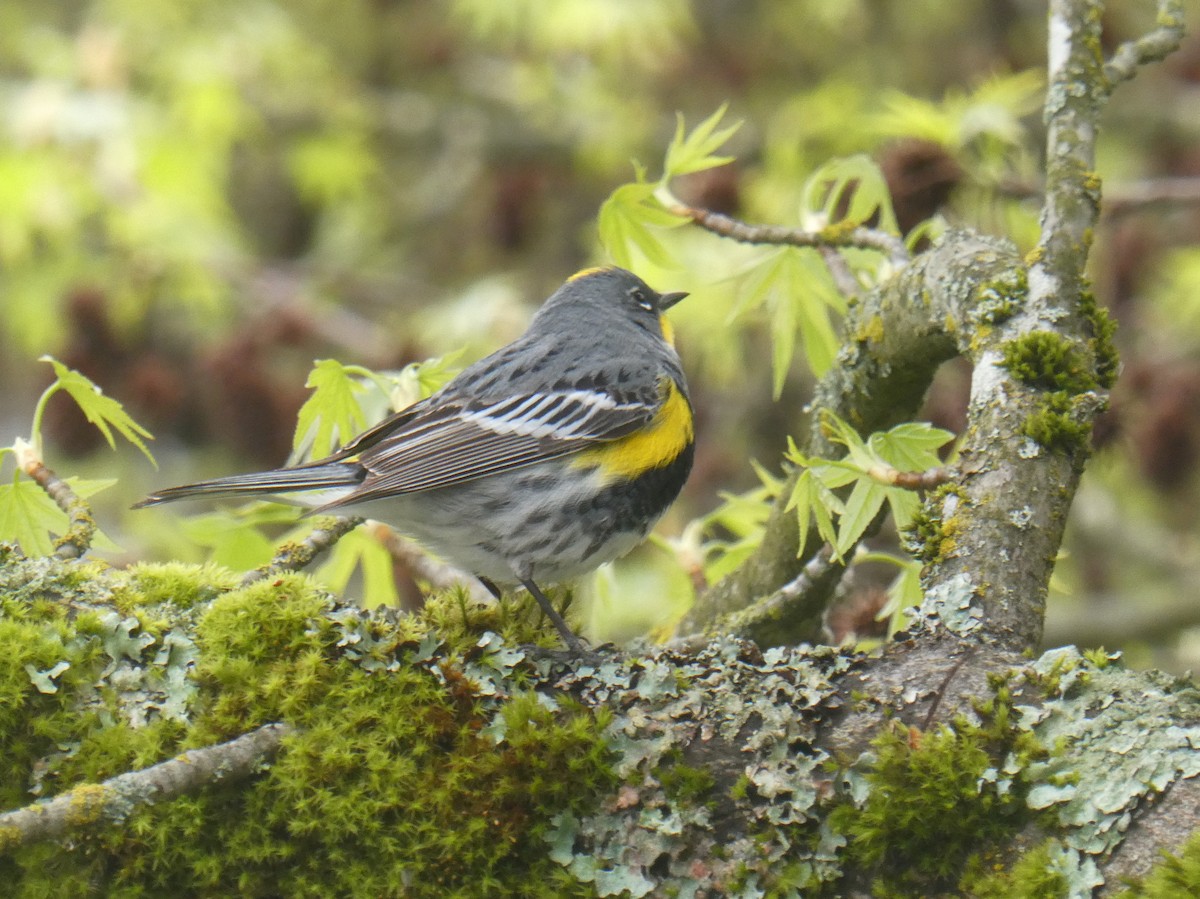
x=78 y=538
x=1151 y=47
x=835 y=236
x=113 y=800
x=296 y=556
x=894 y=344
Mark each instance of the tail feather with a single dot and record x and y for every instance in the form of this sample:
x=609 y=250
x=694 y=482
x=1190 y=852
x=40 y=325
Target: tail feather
x=281 y=480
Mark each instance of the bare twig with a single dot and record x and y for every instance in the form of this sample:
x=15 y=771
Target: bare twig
x=78 y=538
x=1135 y=196
x=113 y=800
x=839 y=270
x=834 y=236
x=1150 y=47
x=295 y=556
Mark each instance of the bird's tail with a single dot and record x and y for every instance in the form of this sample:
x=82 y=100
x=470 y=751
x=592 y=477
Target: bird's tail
x=331 y=476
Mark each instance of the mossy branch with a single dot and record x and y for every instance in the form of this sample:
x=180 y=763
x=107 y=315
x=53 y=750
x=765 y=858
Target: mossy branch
x=1153 y=46
x=78 y=538
x=113 y=800
x=895 y=339
x=1042 y=356
x=298 y=556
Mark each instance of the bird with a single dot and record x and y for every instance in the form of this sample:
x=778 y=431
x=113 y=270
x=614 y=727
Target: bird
x=535 y=465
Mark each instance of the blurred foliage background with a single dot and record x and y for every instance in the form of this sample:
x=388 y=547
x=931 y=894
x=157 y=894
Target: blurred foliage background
x=198 y=199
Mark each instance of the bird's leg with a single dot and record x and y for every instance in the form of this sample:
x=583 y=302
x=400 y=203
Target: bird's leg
x=573 y=642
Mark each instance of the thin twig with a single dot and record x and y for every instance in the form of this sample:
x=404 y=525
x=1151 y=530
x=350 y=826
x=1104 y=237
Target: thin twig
x=78 y=538
x=113 y=800
x=834 y=236
x=911 y=480
x=839 y=270
x=1123 y=199
x=295 y=556
x=1150 y=47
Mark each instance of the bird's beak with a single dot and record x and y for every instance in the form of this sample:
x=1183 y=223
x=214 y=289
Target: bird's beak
x=667 y=300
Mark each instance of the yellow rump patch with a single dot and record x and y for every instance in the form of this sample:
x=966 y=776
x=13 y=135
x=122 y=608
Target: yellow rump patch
x=583 y=273
x=655 y=446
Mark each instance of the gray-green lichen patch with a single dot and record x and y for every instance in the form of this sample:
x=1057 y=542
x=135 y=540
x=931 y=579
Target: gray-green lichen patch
x=1121 y=743
x=749 y=825
x=953 y=603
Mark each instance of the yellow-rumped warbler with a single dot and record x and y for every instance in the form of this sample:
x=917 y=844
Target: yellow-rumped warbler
x=553 y=455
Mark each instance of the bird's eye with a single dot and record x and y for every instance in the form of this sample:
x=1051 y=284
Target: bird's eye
x=640 y=298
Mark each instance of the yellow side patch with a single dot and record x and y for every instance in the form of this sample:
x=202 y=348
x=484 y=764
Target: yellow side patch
x=655 y=446
x=583 y=273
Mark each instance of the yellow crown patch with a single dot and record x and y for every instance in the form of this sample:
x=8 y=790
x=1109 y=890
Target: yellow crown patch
x=593 y=270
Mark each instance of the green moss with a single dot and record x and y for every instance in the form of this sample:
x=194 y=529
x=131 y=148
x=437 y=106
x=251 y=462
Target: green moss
x=1176 y=874
x=1054 y=425
x=930 y=537
x=684 y=783
x=1033 y=876
x=176 y=583
x=1103 y=329
x=1048 y=361
x=413 y=772
x=934 y=798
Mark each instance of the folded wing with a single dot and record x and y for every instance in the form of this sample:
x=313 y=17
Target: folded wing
x=429 y=446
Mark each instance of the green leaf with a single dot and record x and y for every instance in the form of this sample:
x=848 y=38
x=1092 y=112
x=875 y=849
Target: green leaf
x=360 y=550
x=694 y=152
x=904 y=505
x=28 y=516
x=628 y=221
x=783 y=339
x=102 y=411
x=332 y=415
x=233 y=541
x=795 y=288
x=911 y=446
x=906 y=447
x=904 y=591
x=866 y=499
x=812 y=499
x=855 y=182
x=840 y=432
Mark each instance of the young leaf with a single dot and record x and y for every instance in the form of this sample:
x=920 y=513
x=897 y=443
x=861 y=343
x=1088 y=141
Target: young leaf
x=695 y=152
x=812 y=499
x=851 y=190
x=28 y=516
x=332 y=415
x=911 y=446
x=856 y=447
x=627 y=221
x=102 y=411
x=904 y=505
x=866 y=499
x=794 y=287
x=359 y=549
x=904 y=591
x=233 y=541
